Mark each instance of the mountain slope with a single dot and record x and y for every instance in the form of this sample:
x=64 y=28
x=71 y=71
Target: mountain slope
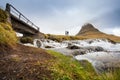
x=89 y=31
x=88 y=28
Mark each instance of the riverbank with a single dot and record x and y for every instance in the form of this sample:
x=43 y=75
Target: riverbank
x=28 y=63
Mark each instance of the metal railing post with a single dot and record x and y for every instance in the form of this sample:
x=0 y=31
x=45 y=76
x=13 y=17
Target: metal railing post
x=19 y=16
x=7 y=8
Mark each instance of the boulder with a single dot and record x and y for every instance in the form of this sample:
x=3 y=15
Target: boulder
x=94 y=48
x=85 y=50
x=49 y=46
x=72 y=46
x=79 y=52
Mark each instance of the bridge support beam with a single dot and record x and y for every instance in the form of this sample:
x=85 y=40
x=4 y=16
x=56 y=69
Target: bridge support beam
x=35 y=36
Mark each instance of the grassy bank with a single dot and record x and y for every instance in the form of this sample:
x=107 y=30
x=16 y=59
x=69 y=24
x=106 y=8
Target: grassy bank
x=7 y=35
x=93 y=35
x=67 y=68
x=60 y=38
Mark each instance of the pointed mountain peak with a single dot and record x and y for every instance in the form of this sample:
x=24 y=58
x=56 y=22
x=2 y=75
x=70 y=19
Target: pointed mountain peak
x=88 y=28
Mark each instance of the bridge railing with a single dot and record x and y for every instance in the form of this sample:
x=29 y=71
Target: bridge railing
x=12 y=10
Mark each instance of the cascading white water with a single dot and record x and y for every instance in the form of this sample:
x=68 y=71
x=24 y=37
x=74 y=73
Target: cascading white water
x=110 y=55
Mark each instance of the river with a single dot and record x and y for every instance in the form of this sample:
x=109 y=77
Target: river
x=103 y=54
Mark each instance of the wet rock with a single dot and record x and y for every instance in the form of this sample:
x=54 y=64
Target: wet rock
x=49 y=46
x=79 y=52
x=94 y=48
x=38 y=43
x=72 y=46
x=84 y=50
x=90 y=42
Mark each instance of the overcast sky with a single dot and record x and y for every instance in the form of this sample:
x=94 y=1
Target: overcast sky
x=57 y=16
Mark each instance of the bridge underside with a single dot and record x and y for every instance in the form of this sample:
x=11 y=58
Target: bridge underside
x=25 y=29
x=22 y=27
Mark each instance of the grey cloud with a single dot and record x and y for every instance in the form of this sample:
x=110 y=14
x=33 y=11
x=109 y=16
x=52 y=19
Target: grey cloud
x=60 y=14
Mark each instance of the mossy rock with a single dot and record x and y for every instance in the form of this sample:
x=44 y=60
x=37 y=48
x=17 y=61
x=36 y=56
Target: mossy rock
x=26 y=40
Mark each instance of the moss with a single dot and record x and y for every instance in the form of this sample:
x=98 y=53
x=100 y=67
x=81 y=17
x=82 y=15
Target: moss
x=26 y=40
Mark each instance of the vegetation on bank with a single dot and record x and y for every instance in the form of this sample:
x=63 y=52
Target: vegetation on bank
x=26 y=40
x=3 y=16
x=60 y=38
x=89 y=35
x=67 y=68
x=7 y=35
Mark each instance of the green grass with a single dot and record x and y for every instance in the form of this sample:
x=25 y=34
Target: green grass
x=67 y=68
x=112 y=75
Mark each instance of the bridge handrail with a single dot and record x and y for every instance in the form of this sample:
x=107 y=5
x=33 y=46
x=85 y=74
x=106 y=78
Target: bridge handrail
x=8 y=9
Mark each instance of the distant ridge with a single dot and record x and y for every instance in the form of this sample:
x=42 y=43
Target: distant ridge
x=89 y=31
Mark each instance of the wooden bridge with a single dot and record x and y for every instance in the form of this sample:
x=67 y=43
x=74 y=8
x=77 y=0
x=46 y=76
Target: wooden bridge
x=22 y=24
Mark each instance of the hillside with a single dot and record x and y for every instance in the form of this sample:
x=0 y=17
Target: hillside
x=88 y=31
